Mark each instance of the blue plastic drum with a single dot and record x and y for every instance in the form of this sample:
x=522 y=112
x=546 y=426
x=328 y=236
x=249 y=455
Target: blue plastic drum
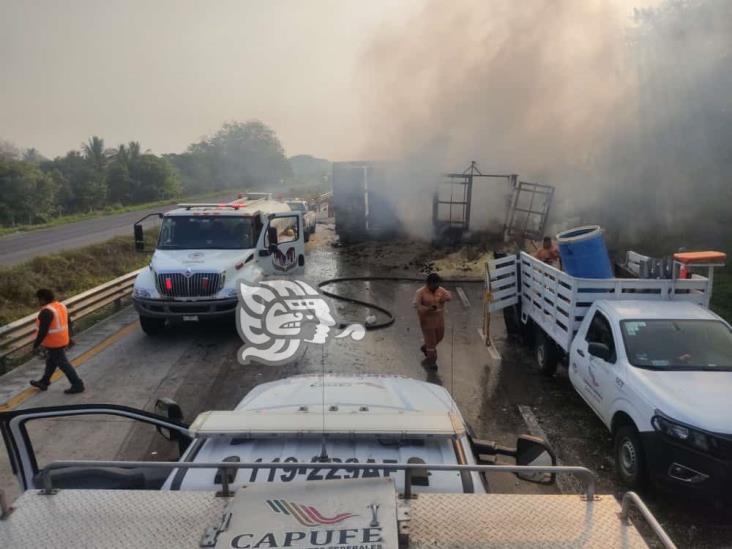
x=584 y=253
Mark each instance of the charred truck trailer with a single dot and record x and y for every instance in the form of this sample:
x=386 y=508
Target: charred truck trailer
x=373 y=200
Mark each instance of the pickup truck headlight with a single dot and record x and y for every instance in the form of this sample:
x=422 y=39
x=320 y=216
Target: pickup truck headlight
x=683 y=433
x=141 y=292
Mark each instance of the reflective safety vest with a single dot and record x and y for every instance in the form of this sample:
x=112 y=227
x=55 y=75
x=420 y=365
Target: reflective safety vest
x=58 y=331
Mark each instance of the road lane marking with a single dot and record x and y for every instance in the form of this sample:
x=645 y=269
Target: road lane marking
x=25 y=394
x=463 y=297
x=567 y=484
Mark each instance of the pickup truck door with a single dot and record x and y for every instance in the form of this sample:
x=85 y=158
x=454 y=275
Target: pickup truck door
x=593 y=377
x=23 y=459
x=281 y=246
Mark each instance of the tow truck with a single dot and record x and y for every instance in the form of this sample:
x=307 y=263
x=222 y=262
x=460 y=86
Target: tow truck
x=205 y=250
x=320 y=460
x=647 y=356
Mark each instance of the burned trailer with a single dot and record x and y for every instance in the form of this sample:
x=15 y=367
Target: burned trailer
x=501 y=204
x=363 y=205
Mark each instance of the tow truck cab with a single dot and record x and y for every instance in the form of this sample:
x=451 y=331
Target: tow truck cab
x=659 y=375
x=204 y=250
x=309 y=419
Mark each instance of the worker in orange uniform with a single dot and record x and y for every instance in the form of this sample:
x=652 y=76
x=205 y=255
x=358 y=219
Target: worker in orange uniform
x=430 y=302
x=53 y=335
x=548 y=252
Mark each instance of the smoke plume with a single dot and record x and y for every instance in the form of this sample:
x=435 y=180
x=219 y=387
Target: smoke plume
x=628 y=113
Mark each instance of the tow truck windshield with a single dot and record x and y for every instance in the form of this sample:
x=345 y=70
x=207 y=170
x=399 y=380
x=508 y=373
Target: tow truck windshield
x=201 y=232
x=678 y=344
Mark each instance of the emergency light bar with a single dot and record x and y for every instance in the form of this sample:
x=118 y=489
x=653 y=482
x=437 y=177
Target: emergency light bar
x=332 y=425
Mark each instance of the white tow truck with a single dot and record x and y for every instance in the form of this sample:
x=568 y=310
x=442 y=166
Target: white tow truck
x=647 y=355
x=204 y=250
x=309 y=217
x=368 y=461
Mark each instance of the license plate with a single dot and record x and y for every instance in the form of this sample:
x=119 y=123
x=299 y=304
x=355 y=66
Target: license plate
x=190 y=318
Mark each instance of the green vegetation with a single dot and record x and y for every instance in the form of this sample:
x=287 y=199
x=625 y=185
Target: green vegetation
x=37 y=191
x=67 y=274
x=722 y=294
x=102 y=212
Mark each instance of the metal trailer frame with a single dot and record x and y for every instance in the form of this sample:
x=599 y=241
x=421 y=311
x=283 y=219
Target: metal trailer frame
x=558 y=302
x=462 y=203
x=534 y=220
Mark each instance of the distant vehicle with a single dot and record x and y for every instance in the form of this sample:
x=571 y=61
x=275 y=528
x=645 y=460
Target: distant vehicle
x=204 y=250
x=647 y=355
x=308 y=461
x=309 y=217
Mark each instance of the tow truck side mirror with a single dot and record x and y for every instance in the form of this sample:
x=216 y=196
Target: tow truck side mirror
x=139 y=239
x=170 y=409
x=534 y=451
x=272 y=238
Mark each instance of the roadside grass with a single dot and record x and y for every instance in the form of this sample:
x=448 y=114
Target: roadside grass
x=67 y=274
x=722 y=293
x=64 y=219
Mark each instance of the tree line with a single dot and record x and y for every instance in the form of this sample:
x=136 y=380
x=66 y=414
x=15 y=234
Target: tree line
x=34 y=189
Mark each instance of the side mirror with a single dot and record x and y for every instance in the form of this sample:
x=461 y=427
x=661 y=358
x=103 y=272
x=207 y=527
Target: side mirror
x=170 y=409
x=600 y=350
x=534 y=451
x=272 y=236
x=139 y=239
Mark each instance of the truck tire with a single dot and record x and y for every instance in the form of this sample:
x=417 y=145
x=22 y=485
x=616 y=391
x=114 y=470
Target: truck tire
x=546 y=353
x=152 y=326
x=630 y=461
x=307 y=235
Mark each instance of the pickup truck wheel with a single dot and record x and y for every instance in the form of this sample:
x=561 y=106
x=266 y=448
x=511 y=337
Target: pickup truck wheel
x=546 y=355
x=152 y=326
x=629 y=458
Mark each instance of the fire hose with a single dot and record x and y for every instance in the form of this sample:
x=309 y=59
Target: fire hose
x=389 y=316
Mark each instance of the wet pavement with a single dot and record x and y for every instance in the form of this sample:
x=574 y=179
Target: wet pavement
x=196 y=365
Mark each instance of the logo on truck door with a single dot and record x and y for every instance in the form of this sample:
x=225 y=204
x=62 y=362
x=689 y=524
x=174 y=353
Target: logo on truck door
x=276 y=317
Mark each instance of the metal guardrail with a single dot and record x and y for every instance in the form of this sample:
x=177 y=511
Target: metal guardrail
x=21 y=333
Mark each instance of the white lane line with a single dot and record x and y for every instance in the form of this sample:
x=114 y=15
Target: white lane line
x=495 y=355
x=567 y=484
x=463 y=297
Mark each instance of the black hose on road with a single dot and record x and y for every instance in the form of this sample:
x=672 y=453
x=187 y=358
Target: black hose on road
x=389 y=316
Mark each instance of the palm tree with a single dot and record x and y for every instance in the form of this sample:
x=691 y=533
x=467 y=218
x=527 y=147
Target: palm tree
x=94 y=152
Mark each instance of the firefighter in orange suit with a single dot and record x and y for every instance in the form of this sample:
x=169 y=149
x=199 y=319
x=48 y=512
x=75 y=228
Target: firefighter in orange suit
x=430 y=302
x=52 y=333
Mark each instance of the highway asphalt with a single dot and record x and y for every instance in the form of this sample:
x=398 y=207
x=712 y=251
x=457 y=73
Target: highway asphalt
x=22 y=246
x=501 y=395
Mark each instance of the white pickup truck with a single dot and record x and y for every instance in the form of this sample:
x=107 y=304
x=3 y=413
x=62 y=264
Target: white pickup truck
x=648 y=356
x=310 y=461
x=204 y=250
x=309 y=217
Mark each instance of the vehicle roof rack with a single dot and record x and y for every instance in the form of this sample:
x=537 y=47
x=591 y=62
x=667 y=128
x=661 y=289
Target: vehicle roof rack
x=248 y=424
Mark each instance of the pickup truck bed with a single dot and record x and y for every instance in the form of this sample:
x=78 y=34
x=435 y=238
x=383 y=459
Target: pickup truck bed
x=558 y=302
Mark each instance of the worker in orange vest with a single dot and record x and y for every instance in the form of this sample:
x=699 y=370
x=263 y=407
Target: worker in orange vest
x=52 y=333
x=430 y=302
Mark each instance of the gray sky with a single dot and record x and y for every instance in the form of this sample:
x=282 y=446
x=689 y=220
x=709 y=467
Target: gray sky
x=167 y=72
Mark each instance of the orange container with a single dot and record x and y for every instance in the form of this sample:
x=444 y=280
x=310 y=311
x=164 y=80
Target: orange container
x=689 y=258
